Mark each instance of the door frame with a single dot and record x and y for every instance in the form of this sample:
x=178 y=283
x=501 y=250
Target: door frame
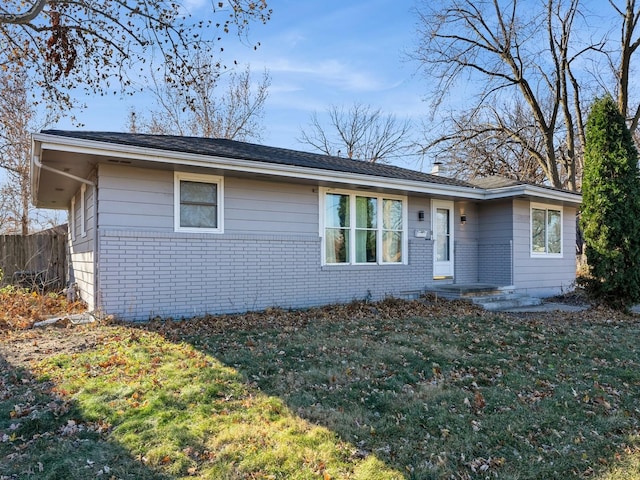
x=442 y=269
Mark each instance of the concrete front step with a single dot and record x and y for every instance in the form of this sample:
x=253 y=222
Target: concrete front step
x=505 y=302
x=489 y=297
x=455 y=292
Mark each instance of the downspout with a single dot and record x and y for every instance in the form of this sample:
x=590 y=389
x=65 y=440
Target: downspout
x=36 y=162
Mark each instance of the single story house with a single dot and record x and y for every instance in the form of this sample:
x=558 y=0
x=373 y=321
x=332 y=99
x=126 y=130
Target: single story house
x=178 y=226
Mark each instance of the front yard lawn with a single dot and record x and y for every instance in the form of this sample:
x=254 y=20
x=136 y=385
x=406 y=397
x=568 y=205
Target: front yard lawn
x=388 y=390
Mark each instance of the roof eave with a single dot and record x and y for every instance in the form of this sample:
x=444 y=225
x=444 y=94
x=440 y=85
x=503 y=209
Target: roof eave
x=533 y=191
x=92 y=147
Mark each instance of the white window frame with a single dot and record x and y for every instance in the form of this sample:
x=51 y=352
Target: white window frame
x=352 y=227
x=201 y=178
x=83 y=215
x=546 y=208
x=72 y=218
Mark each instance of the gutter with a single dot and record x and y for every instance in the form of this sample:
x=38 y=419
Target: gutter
x=35 y=175
x=37 y=163
x=532 y=191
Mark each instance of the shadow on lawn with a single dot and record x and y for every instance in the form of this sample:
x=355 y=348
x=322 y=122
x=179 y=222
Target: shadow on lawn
x=45 y=436
x=436 y=398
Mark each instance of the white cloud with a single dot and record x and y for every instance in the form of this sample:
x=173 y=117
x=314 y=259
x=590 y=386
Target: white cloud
x=331 y=72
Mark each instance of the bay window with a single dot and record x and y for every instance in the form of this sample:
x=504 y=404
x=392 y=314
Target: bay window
x=363 y=229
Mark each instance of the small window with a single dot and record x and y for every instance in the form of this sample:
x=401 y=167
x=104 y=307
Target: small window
x=546 y=231
x=198 y=203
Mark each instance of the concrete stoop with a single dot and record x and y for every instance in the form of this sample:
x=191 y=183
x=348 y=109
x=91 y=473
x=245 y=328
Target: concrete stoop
x=489 y=297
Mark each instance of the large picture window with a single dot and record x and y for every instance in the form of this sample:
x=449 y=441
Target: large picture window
x=546 y=231
x=198 y=203
x=360 y=229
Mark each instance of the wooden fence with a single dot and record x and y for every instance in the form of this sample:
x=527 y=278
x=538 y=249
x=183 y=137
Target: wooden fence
x=37 y=261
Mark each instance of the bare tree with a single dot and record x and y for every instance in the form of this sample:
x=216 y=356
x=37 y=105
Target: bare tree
x=203 y=110
x=7 y=223
x=361 y=133
x=526 y=54
x=478 y=149
x=92 y=44
x=17 y=121
x=621 y=60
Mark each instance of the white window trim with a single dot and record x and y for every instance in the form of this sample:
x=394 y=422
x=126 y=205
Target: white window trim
x=72 y=218
x=83 y=216
x=546 y=207
x=197 y=177
x=323 y=191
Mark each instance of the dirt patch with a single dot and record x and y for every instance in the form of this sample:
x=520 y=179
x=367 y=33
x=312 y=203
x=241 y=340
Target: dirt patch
x=21 y=348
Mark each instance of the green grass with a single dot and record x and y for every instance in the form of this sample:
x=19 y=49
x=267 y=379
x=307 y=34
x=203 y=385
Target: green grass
x=391 y=390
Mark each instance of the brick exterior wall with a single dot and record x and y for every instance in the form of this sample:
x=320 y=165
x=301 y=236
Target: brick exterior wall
x=146 y=274
x=466 y=262
x=495 y=264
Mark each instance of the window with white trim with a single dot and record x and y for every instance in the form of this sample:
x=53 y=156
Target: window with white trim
x=546 y=231
x=198 y=203
x=362 y=229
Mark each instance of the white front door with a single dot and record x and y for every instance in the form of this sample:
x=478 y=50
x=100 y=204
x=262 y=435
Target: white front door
x=442 y=227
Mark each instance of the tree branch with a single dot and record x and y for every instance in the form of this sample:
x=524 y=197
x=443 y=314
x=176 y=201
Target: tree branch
x=26 y=17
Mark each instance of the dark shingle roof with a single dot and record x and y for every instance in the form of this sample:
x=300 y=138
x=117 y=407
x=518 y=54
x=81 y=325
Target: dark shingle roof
x=495 y=181
x=259 y=153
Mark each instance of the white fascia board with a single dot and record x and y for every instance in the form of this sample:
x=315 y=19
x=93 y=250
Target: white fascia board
x=533 y=191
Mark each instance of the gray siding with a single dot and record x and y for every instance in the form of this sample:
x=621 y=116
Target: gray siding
x=81 y=247
x=466 y=248
x=255 y=207
x=142 y=200
x=135 y=198
x=495 y=234
x=541 y=276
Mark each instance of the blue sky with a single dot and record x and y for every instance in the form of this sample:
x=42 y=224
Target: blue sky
x=318 y=54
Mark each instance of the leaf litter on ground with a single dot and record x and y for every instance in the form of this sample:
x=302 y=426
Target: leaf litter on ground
x=393 y=389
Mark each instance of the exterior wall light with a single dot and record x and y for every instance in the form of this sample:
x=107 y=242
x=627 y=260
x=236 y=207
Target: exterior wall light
x=463 y=218
x=421 y=215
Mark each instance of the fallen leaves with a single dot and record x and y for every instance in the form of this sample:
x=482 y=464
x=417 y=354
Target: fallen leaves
x=433 y=389
x=21 y=308
x=482 y=465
